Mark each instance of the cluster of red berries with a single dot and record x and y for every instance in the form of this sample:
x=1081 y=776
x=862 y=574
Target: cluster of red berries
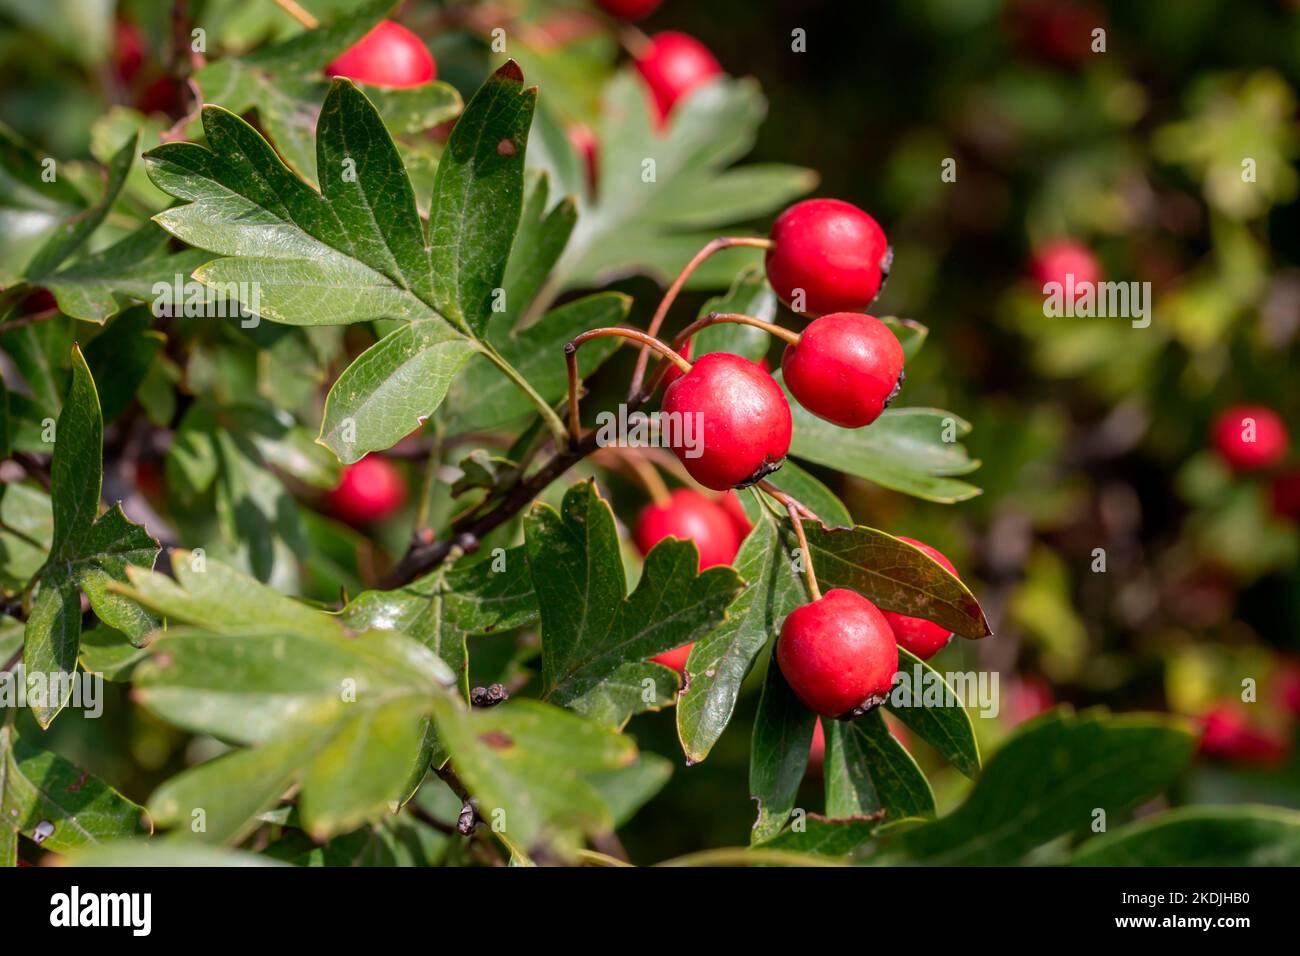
x=1253 y=440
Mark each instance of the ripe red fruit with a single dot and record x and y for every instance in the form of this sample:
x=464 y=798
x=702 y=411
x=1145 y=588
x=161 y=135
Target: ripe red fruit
x=1028 y=697
x=833 y=251
x=1286 y=495
x=1226 y=735
x=389 y=55
x=738 y=418
x=674 y=64
x=692 y=517
x=672 y=373
x=730 y=503
x=1056 y=261
x=629 y=9
x=676 y=658
x=923 y=638
x=583 y=141
x=371 y=489
x=1249 y=437
x=846 y=368
x=838 y=654
x=128 y=50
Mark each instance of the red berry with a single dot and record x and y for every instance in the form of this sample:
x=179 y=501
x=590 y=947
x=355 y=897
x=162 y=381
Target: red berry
x=738 y=419
x=1061 y=259
x=1028 y=697
x=672 y=373
x=128 y=50
x=838 y=654
x=923 y=638
x=846 y=368
x=730 y=503
x=1226 y=735
x=673 y=65
x=832 y=251
x=371 y=489
x=692 y=517
x=1288 y=681
x=629 y=9
x=1058 y=30
x=1250 y=437
x=389 y=55
x=583 y=141
x=676 y=658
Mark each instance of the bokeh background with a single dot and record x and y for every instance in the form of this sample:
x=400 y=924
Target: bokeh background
x=1092 y=434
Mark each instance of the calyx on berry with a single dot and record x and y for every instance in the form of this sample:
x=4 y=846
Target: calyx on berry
x=389 y=55
x=743 y=416
x=674 y=64
x=690 y=516
x=846 y=368
x=838 y=654
x=827 y=255
x=923 y=638
x=371 y=489
x=1250 y=437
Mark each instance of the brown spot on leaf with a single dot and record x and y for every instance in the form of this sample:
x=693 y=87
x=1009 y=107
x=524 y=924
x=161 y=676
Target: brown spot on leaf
x=497 y=740
x=81 y=782
x=506 y=147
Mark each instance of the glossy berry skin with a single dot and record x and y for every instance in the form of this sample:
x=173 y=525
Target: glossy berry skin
x=692 y=517
x=1057 y=260
x=389 y=55
x=1226 y=735
x=923 y=638
x=676 y=658
x=846 y=368
x=1241 y=450
x=629 y=9
x=832 y=250
x=838 y=654
x=371 y=489
x=672 y=373
x=673 y=65
x=743 y=417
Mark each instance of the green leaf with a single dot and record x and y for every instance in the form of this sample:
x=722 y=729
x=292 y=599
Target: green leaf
x=110 y=653
x=894 y=575
x=120 y=358
x=477 y=197
x=823 y=837
x=6 y=428
x=1047 y=781
x=40 y=790
x=537 y=248
x=749 y=295
x=910 y=333
x=935 y=713
x=653 y=226
x=597 y=639
x=392 y=388
x=443 y=608
x=483 y=398
x=778 y=756
x=71 y=235
x=867 y=770
x=530 y=761
x=166 y=853
x=906 y=449
x=94 y=287
x=31 y=209
x=86 y=553
x=627 y=789
x=349 y=727
x=721 y=659
x=809 y=490
x=1200 y=836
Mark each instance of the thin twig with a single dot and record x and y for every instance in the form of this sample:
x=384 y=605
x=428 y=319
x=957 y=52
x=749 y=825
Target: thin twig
x=298 y=13
x=670 y=296
x=647 y=340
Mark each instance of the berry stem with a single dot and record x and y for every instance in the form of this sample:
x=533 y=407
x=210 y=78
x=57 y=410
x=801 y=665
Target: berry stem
x=797 y=511
x=670 y=296
x=298 y=13
x=647 y=340
x=738 y=318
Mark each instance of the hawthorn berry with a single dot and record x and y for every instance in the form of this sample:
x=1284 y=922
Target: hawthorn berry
x=583 y=141
x=740 y=420
x=923 y=638
x=389 y=55
x=730 y=503
x=692 y=517
x=369 y=490
x=676 y=658
x=672 y=373
x=674 y=64
x=1058 y=260
x=1028 y=697
x=832 y=252
x=1250 y=437
x=838 y=654
x=1227 y=735
x=128 y=50
x=629 y=9
x=846 y=368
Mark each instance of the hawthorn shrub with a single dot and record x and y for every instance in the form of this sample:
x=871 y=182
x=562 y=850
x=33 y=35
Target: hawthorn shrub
x=367 y=600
